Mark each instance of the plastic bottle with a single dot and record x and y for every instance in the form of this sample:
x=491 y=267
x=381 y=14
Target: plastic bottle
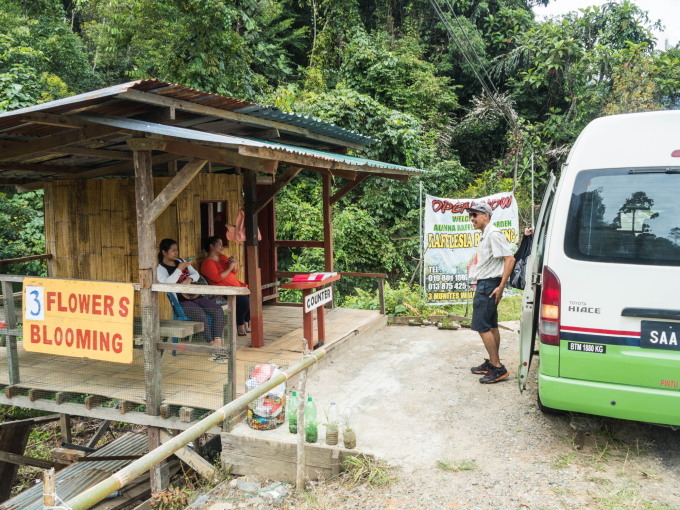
x=332 y=425
x=333 y=419
x=311 y=427
x=292 y=413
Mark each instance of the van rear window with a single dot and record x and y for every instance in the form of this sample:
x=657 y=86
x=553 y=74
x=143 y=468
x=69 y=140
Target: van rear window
x=626 y=216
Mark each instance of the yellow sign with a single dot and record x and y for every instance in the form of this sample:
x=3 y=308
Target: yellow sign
x=79 y=318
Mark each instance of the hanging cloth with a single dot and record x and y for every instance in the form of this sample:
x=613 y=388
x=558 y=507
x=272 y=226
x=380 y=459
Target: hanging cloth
x=238 y=232
x=519 y=272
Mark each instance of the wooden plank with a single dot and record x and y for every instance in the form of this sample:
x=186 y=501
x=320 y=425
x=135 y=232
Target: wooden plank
x=101 y=430
x=43 y=169
x=280 y=183
x=21 y=460
x=191 y=458
x=24 y=259
x=327 y=223
x=349 y=186
x=185 y=347
x=51 y=119
x=277 y=460
x=145 y=97
x=16 y=149
x=213 y=290
x=94 y=153
x=38 y=420
x=12 y=440
x=174 y=188
x=159 y=474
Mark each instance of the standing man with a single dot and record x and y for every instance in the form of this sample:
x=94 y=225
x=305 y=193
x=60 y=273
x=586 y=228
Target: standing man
x=494 y=265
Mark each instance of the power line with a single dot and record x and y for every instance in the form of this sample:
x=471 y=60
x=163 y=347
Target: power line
x=481 y=81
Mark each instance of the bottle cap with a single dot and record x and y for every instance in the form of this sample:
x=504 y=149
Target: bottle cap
x=309 y=399
x=295 y=393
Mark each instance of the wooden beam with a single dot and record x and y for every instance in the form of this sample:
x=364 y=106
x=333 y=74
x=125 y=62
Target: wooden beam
x=252 y=259
x=394 y=177
x=219 y=155
x=65 y=426
x=173 y=189
x=347 y=188
x=345 y=174
x=121 y=168
x=280 y=183
x=17 y=149
x=21 y=460
x=146 y=144
x=42 y=169
x=327 y=223
x=103 y=429
x=191 y=458
x=187 y=106
x=51 y=119
x=95 y=153
x=299 y=244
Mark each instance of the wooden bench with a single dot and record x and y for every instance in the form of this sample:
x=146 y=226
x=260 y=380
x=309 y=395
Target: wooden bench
x=173 y=329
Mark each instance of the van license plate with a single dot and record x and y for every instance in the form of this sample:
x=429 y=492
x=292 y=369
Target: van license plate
x=660 y=335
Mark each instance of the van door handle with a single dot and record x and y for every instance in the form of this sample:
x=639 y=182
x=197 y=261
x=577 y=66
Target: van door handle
x=651 y=313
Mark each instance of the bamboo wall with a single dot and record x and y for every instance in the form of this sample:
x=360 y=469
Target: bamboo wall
x=91 y=225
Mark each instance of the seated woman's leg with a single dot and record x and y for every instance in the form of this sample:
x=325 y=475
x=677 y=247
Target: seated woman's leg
x=195 y=312
x=242 y=310
x=216 y=314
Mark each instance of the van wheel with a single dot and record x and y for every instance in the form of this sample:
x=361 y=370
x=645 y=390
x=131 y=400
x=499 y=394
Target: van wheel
x=546 y=409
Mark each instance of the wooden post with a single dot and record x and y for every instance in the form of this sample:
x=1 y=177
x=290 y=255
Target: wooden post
x=327 y=224
x=252 y=259
x=12 y=440
x=381 y=294
x=11 y=340
x=231 y=300
x=65 y=425
x=146 y=247
x=321 y=324
x=308 y=321
x=49 y=488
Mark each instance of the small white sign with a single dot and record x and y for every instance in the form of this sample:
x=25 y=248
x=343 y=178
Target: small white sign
x=318 y=298
x=35 y=303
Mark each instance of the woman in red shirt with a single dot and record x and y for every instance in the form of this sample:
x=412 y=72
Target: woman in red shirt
x=219 y=269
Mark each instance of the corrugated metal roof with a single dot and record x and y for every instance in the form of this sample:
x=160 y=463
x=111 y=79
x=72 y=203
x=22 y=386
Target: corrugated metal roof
x=304 y=121
x=77 y=477
x=103 y=98
x=234 y=141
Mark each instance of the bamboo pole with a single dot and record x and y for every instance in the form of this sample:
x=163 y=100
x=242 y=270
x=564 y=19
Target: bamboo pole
x=137 y=468
x=49 y=488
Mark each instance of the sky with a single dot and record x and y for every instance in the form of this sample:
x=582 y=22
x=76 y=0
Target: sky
x=668 y=11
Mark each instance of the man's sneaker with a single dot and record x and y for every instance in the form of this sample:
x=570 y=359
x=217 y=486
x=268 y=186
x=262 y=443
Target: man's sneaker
x=494 y=375
x=483 y=368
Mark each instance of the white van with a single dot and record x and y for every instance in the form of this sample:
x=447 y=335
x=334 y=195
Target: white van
x=603 y=281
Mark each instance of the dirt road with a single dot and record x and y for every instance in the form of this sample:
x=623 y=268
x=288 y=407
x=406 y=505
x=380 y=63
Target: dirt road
x=457 y=444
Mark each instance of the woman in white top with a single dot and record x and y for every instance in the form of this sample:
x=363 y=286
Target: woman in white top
x=172 y=269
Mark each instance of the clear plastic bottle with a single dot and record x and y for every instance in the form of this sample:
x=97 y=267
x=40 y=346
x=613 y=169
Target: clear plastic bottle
x=311 y=426
x=332 y=425
x=292 y=413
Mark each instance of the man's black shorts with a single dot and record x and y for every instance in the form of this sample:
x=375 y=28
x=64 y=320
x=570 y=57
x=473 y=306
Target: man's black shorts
x=484 y=309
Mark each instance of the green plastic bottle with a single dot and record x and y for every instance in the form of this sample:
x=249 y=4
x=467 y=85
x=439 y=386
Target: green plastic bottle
x=311 y=427
x=292 y=413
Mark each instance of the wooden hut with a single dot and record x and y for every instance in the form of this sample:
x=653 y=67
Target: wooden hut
x=125 y=166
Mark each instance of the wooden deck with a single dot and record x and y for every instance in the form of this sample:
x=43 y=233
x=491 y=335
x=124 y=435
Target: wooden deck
x=189 y=379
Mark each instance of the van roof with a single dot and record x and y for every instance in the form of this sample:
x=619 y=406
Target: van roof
x=630 y=140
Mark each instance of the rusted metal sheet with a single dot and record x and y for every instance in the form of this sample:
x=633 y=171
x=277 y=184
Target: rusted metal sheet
x=82 y=475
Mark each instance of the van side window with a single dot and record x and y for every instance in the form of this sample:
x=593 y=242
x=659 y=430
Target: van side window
x=625 y=216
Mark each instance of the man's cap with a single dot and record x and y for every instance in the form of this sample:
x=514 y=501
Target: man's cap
x=482 y=207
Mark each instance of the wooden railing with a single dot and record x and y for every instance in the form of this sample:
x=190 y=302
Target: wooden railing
x=47 y=256
x=380 y=277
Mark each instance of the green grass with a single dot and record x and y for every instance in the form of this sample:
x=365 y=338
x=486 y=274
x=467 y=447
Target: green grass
x=463 y=465
x=627 y=499
x=564 y=460
x=366 y=470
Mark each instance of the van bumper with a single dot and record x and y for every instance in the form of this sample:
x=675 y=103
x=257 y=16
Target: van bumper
x=612 y=400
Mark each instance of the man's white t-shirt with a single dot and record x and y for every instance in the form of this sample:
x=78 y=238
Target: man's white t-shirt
x=493 y=246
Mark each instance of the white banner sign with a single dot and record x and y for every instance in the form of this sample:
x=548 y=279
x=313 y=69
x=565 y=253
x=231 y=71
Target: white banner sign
x=451 y=243
x=318 y=298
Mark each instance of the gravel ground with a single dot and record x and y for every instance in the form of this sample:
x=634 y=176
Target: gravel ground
x=456 y=444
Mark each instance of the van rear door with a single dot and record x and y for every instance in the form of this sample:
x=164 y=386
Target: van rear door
x=532 y=289
x=620 y=279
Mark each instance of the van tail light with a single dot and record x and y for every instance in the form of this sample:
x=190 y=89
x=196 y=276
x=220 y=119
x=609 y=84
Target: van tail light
x=549 y=327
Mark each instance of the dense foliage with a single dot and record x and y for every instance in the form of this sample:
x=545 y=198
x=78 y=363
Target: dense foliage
x=408 y=73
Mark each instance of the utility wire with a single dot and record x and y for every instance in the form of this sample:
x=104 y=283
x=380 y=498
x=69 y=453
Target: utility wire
x=481 y=81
